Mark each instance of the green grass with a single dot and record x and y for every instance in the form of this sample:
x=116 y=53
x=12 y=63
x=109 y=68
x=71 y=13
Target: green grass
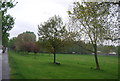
x=72 y=66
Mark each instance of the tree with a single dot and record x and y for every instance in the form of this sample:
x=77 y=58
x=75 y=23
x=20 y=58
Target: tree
x=105 y=49
x=53 y=34
x=118 y=50
x=7 y=21
x=74 y=47
x=25 y=41
x=0 y=29
x=11 y=43
x=92 y=19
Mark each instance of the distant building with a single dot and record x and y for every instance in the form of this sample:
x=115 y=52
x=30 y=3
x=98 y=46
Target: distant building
x=112 y=53
x=73 y=52
x=98 y=52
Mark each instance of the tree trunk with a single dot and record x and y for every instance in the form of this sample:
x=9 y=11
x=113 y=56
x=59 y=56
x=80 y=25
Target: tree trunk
x=54 y=52
x=96 y=58
x=54 y=58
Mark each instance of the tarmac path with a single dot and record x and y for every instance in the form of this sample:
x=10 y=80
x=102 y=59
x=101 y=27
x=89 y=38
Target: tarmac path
x=0 y=65
x=5 y=66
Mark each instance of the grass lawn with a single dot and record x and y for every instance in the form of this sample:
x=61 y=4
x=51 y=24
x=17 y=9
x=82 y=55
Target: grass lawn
x=72 y=66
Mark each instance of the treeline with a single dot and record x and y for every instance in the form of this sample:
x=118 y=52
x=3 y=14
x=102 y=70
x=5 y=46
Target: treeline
x=26 y=42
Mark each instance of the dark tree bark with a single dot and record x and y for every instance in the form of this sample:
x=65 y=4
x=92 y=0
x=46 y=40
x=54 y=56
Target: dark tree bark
x=54 y=52
x=96 y=59
x=54 y=58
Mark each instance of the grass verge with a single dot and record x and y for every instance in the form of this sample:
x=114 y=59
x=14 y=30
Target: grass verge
x=40 y=66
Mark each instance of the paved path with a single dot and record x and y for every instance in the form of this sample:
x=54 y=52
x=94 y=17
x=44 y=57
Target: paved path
x=0 y=65
x=5 y=66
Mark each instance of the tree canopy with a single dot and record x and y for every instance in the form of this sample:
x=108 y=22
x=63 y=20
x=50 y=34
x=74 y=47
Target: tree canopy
x=92 y=20
x=25 y=41
x=7 y=20
x=53 y=34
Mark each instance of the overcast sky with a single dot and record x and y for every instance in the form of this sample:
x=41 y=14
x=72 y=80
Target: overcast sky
x=30 y=13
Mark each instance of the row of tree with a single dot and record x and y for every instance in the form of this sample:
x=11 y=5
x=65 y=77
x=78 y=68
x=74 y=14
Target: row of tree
x=90 y=25
x=26 y=42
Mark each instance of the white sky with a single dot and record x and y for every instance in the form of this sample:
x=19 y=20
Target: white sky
x=30 y=13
